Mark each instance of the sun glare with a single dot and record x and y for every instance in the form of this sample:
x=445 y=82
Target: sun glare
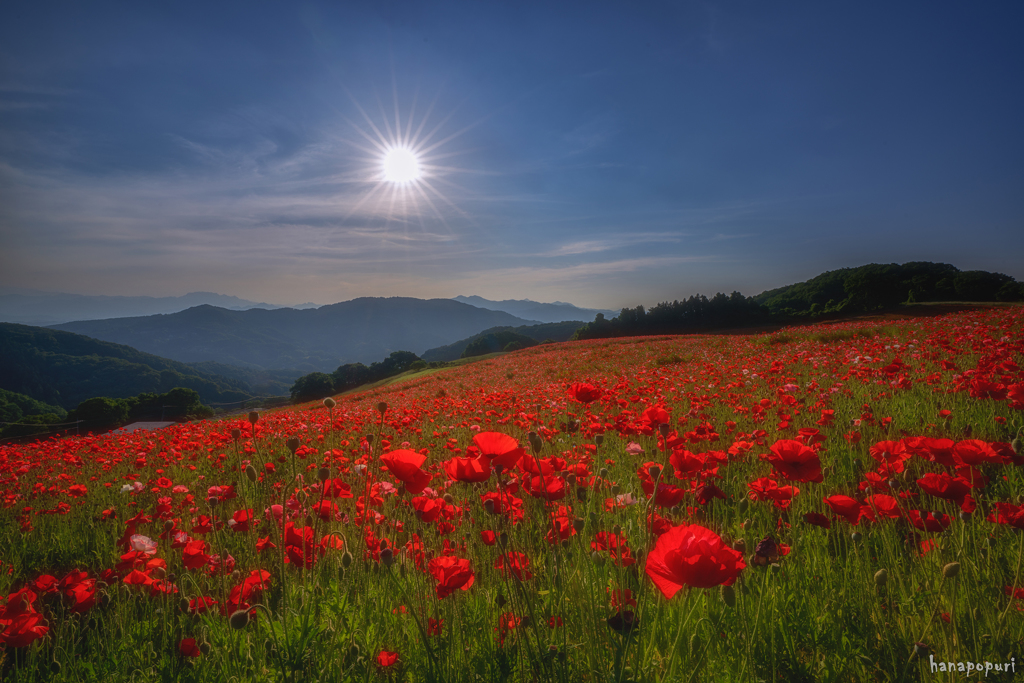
x=401 y=165
x=406 y=165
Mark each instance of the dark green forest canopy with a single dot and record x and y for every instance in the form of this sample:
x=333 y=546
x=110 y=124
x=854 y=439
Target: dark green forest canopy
x=64 y=369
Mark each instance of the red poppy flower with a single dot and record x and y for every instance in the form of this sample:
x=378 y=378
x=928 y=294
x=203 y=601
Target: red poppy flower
x=336 y=488
x=975 y=452
x=942 y=485
x=434 y=626
x=24 y=629
x=451 y=574
x=846 y=507
x=501 y=449
x=616 y=546
x=1007 y=513
x=934 y=522
x=884 y=506
x=405 y=465
x=795 y=461
x=818 y=519
x=189 y=648
x=584 y=393
x=488 y=537
x=468 y=469
x=514 y=563
x=691 y=555
x=386 y=659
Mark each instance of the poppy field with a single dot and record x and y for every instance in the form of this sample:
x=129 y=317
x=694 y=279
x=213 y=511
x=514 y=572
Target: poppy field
x=837 y=502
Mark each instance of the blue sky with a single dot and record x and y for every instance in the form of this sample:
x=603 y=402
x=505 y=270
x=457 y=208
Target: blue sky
x=606 y=154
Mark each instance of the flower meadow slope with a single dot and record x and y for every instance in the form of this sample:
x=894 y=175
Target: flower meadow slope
x=838 y=503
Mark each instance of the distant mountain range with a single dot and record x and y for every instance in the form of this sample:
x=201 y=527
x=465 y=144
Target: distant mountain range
x=531 y=310
x=362 y=330
x=33 y=307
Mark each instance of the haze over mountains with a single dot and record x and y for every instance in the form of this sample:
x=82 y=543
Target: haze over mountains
x=363 y=330
x=33 y=307
x=555 y=312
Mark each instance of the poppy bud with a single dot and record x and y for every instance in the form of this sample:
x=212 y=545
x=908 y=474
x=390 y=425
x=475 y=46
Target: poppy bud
x=292 y=444
x=581 y=494
x=253 y=417
x=739 y=545
x=745 y=524
x=654 y=471
x=663 y=428
x=951 y=570
x=728 y=596
x=382 y=407
x=183 y=604
x=239 y=619
x=603 y=473
x=578 y=525
x=387 y=556
x=565 y=543
x=205 y=648
x=856 y=536
x=489 y=506
x=616 y=490
x=323 y=474
x=599 y=439
x=213 y=501
x=250 y=473
x=309 y=520
x=330 y=402
x=448 y=498
x=346 y=559
x=598 y=558
x=353 y=651
x=858 y=463
x=920 y=649
x=881 y=577
x=570 y=479
x=499 y=600
x=503 y=539
x=159 y=573
x=168 y=525
x=369 y=439
x=965 y=516
x=743 y=505
x=1015 y=445
x=236 y=433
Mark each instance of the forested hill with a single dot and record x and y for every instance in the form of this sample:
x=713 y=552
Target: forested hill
x=64 y=369
x=876 y=286
x=847 y=291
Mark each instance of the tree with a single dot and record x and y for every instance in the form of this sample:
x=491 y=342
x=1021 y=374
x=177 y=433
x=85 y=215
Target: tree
x=311 y=387
x=100 y=414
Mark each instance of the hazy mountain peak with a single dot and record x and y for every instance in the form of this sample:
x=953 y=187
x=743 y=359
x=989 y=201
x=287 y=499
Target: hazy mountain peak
x=558 y=311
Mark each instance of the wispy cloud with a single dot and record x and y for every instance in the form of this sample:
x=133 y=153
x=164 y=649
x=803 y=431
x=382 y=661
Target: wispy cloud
x=611 y=242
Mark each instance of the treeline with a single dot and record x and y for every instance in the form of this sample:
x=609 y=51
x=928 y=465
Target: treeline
x=693 y=314
x=318 y=385
x=101 y=414
x=840 y=292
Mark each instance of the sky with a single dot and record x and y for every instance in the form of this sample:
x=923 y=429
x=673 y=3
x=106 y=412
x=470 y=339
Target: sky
x=603 y=154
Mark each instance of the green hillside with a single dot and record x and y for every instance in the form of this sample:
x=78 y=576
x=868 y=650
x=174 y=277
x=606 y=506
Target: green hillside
x=64 y=369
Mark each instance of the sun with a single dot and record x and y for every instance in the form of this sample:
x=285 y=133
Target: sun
x=401 y=165
x=407 y=167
